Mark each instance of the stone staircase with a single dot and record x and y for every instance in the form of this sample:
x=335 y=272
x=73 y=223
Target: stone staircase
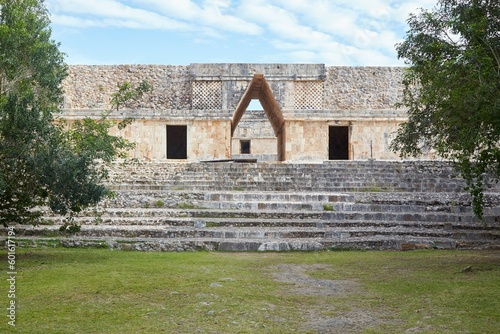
x=232 y=206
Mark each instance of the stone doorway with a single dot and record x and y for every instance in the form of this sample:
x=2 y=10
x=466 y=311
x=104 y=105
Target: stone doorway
x=338 y=144
x=176 y=142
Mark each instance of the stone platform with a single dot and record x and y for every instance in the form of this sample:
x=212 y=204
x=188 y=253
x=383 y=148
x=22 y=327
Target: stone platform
x=229 y=206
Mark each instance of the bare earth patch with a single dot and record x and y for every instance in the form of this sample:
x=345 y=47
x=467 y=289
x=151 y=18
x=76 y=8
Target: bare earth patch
x=318 y=320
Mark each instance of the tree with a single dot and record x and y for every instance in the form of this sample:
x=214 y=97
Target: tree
x=452 y=89
x=41 y=164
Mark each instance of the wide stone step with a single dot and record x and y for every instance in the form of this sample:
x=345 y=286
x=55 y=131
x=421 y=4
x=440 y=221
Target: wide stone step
x=308 y=204
x=297 y=214
x=253 y=205
x=330 y=175
x=421 y=198
x=209 y=213
x=228 y=232
x=483 y=235
x=273 y=233
x=267 y=223
x=339 y=186
x=299 y=183
x=334 y=206
x=277 y=197
x=372 y=201
x=312 y=175
x=172 y=199
x=393 y=242
x=304 y=213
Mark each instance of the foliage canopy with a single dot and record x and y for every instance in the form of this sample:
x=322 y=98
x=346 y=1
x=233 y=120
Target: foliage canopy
x=452 y=89
x=41 y=164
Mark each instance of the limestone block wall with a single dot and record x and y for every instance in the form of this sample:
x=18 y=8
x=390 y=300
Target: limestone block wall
x=262 y=149
x=306 y=140
x=361 y=89
x=220 y=86
x=371 y=139
x=203 y=97
x=254 y=124
x=309 y=140
x=90 y=86
x=209 y=140
x=149 y=137
x=206 y=140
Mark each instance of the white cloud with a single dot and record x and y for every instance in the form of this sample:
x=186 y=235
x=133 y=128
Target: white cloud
x=72 y=21
x=322 y=31
x=105 y=13
x=341 y=32
x=215 y=14
x=366 y=31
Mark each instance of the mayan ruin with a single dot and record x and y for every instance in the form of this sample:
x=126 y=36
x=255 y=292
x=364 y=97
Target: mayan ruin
x=310 y=170
x=310 y=112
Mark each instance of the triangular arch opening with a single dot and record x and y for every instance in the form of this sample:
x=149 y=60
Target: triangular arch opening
x=259 y=89
x=255 y=105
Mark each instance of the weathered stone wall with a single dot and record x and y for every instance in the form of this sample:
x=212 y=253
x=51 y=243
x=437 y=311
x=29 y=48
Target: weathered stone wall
x=90 y=86
x=220 y=86
x=150 y=138
x=370 y=139
x=362 y=89
x=209 y=140
x=306 y=140
x=204 y=98
x=262 y=149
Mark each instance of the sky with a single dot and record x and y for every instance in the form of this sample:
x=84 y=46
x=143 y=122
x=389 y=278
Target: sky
x=181 y=32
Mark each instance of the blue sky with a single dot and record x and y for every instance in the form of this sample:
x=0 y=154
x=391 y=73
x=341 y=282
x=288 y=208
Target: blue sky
x=180 y=32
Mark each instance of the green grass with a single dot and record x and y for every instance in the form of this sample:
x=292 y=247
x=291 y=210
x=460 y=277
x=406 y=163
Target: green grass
x=102 y=291
x=328 y=207
x=185 y=205
x=159 y=204
x=375 y=189
x=428 y=290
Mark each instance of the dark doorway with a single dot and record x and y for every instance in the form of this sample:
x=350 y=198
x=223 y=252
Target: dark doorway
x=245 y=146
x=176 y=142
x=338 y=146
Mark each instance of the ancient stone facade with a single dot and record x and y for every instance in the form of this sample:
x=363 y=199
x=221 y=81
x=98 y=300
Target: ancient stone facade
x=328 y=113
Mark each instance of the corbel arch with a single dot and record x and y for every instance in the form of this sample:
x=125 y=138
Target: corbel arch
x=259 y=89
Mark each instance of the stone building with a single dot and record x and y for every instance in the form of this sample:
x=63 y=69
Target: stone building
x=199 y=112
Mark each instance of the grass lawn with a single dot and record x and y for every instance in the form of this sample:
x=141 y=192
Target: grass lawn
x=102 y=291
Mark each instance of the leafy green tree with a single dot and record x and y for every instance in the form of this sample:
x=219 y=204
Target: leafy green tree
x=452 y=89
x=41 y=165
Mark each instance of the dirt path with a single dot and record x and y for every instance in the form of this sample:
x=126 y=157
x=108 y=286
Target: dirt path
x=352 y=321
